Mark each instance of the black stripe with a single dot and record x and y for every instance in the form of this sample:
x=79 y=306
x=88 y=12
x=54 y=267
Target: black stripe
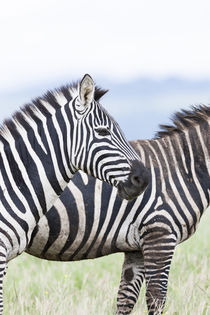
x=88 y=198
x=73 y=222
x=106 y=193
x=54 y=229
x=19 y=181
x=55 y=142
x=47 y=161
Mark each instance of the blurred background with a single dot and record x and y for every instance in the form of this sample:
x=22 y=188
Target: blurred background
x=153 y=56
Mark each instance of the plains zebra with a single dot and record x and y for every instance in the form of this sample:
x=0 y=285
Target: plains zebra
x=89 y=219
x=43 y=145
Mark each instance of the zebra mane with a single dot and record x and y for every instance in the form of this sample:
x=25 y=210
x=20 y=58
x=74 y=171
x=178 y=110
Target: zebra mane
x=44 y=104
x=185 y=119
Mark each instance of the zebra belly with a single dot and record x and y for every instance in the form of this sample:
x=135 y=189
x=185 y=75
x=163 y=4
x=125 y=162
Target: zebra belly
x=67 y=246
x=87 y=221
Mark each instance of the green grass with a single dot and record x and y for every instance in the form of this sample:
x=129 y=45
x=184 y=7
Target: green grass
x=37 y=287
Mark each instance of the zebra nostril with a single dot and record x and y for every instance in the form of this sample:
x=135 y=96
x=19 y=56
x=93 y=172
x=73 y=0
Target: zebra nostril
x=136 y=180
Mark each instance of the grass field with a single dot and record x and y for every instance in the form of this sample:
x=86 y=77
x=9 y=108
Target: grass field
x=37 y=287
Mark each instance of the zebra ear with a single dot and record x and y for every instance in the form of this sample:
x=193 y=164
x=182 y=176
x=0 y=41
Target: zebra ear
x=86 y=90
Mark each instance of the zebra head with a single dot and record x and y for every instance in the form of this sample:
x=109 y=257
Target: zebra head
x=101 y=149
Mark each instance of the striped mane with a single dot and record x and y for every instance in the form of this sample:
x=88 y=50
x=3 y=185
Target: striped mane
x=44 y=104
x=185 y=119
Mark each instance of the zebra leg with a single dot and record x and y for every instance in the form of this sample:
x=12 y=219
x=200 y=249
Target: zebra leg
x=158 y=246
x=131 y=281
x=3 y=270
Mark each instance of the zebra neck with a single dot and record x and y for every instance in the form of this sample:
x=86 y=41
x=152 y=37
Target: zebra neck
x=195 y=144
x=35 y=166
x=179 y=162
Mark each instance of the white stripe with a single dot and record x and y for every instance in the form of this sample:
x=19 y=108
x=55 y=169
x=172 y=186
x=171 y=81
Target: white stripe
x=84 y=177
x=59 y=243
x=158 y=203
x=81 y=214
x=204 y=148
x=81 y=146
x=74 y=142
x=96 y=211
x=181 y=153
x=68 y=130
x=74 y=91
x=41 y=238
x=34 y=126
x=140 y=151
x=105 y=223
x=192 y=166
x=61 y=145
x=60 y=98
x=48 y=106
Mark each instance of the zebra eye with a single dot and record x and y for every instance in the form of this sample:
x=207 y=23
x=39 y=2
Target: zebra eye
x=103 y=131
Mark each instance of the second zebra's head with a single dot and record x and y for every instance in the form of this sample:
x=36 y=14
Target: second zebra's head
x=99 y=147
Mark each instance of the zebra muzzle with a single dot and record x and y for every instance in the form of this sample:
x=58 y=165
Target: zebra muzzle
x=136 y=183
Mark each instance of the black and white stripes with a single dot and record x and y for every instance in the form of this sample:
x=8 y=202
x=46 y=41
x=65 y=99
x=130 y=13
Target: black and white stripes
x=41 y=148
x=90 y=220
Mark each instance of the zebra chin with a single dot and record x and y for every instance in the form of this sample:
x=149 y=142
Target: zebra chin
x=136 y=183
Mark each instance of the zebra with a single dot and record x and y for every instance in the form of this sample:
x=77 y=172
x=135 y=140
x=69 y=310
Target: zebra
x=89 y=220
x=43 y=145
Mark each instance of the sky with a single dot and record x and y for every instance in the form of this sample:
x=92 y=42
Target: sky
x=153 y=56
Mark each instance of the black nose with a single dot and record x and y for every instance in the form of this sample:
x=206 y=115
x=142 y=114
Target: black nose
x=140 y=177
x=136 y=182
